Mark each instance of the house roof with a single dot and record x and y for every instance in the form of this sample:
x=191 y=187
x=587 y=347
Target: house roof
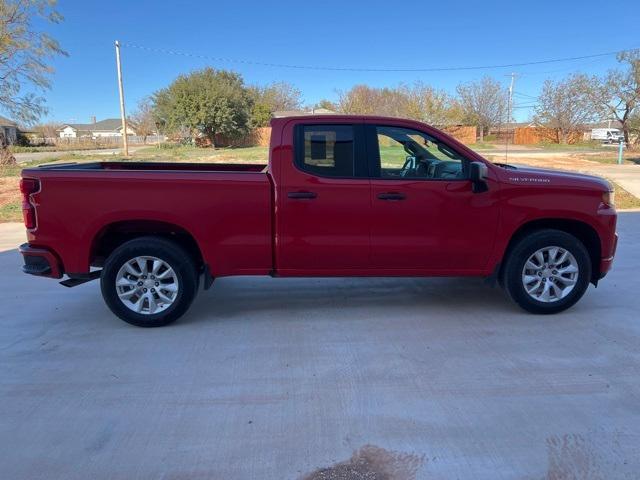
x=299 y=113
x=109 y=124
x=5 y=122
x=605 y=124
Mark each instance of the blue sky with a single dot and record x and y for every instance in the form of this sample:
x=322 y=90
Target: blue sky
x=379 y=34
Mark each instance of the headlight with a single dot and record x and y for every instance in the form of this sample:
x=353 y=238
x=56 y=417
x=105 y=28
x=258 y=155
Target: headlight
x=608 y=198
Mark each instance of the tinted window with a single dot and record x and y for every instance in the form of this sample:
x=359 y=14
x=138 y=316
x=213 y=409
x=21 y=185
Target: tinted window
x=406 y=153
x=327 y=150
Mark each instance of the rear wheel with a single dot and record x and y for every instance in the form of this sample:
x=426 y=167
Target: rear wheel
x=149 y=281
x=548 y=271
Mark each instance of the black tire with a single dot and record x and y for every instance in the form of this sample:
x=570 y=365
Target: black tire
x=527 y=246
x=171 y=253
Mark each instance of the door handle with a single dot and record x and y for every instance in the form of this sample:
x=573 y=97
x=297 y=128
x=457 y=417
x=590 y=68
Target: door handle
x=302 y=195
x=391 y=196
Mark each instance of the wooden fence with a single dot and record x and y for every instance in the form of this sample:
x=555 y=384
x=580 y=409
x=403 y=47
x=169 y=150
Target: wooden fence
x=533 y=135
x=466 y=134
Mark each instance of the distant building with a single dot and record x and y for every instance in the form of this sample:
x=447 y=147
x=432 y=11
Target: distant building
x=111 y=127
x=8 y=131
x=298 y=113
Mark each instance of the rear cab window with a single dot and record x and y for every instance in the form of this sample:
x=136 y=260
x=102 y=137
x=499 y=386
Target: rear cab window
x=331 y=150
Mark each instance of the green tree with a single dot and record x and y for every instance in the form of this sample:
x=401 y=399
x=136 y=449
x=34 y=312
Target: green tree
x=326 y=105
x=25 y=53
x=483 y=103
x=207 y=101
x=564 y=106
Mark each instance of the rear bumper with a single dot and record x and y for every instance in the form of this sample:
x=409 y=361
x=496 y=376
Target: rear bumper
x=40 y=261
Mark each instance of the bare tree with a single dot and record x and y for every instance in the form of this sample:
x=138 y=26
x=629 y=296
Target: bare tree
x=634 y=126
x=144 y=118
x=360 y=100
x=271 y=98
x=24 y=53
x=483 y=103
x=47 y=130
x=566 y=105
x=617 y=95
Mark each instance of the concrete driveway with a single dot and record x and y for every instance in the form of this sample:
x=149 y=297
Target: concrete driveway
x=275 y=379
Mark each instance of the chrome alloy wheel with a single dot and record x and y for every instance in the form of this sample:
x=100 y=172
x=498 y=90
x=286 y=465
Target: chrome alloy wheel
x=147 y=285
x=550 y=274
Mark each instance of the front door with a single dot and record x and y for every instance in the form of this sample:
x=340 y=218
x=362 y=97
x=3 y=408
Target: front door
x=426 y=219
x=323 y=204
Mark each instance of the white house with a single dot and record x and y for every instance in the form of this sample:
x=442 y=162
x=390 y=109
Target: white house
x=8 y=131
x=111 y=127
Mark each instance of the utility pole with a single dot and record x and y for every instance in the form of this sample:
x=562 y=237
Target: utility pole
x=513 y=79
x=510 y=114
x=125 y=141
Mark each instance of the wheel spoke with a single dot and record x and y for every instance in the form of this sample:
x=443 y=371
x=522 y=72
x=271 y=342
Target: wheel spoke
x=125 y=282
x=540 y=257
x=568 y=269
x=128 y=294
x=553 y=253
x=156 y=266
x=129 y=268
x=142 y=265
x=151 y=302
x=164 y=297
x=563 y=258
x=565 y=280
x=169 y=287
x=535 y=287
x=531 y=266
x=138 y=305
x=166 y=274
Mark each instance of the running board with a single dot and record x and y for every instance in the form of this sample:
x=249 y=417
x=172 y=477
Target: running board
x=80 y=279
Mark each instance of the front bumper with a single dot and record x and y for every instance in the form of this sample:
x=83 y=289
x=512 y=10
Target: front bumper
x=606 y=263
x=40 y=261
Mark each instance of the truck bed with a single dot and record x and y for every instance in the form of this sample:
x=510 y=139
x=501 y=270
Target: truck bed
x=226 y=208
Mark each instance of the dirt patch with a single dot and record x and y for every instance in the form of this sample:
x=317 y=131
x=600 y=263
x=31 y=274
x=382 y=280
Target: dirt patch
x=572 y=457
x=372 y=463
x=9 y=190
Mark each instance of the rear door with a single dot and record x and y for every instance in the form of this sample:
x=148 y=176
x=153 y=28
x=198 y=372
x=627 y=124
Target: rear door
x=324 y=201
x=426 y=219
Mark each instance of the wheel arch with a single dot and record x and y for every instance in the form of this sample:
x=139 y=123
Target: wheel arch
x=579 y=229
x=114 y=234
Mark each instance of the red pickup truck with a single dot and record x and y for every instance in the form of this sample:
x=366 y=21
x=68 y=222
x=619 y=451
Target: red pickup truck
x=341 y=196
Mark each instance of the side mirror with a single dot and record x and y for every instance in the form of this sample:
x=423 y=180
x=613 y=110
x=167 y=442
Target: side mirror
x=478 y=173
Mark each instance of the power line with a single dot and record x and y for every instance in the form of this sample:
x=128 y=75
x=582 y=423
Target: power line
x=373 y=69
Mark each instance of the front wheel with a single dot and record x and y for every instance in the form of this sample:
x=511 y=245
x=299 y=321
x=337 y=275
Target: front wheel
x=548 y=271
x=149 y=282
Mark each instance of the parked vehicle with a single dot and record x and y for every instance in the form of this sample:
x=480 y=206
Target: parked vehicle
x=341 y=196
x=607 y=135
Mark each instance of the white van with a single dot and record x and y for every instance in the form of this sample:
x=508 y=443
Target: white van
x=607 y=135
